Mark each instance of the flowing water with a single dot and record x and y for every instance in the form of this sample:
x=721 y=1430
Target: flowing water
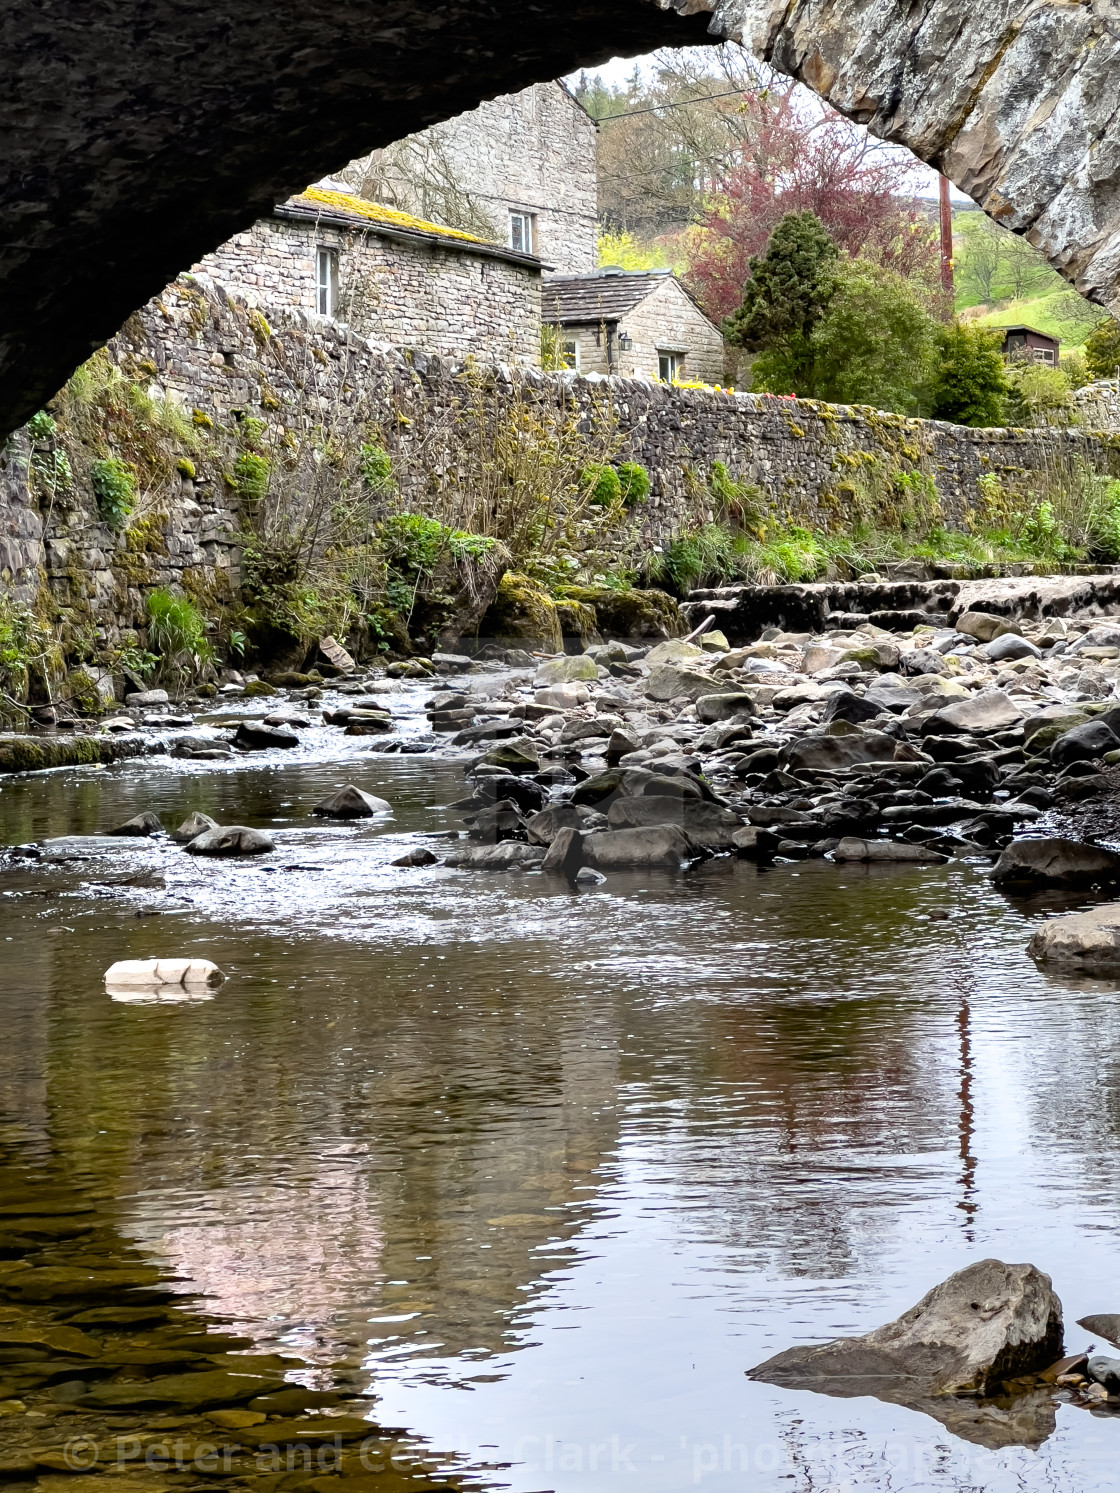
x=545 y=1171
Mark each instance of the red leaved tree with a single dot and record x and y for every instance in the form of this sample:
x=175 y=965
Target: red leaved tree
x=789 y=158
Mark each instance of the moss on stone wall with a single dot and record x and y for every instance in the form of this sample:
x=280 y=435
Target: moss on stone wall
x=522 y=615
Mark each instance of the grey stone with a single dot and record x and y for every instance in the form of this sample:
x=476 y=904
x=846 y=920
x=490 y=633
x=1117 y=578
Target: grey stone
x=255 y=736
x=507 y=856
x=421 y=856
x=923 y=661
x=987 y=1323
x=755 y=843
x=230 y=840
x=665 y=845
x=668 y=682
x=892 y=852
x=543 y=828
x=706 y=825
x=566 y=852
x=1104 y=1370
x=576 y=668
x=193 y=825
x=452 y=663
x=1083 y=743
x=1009 y=647
x=1088 y=941
x=712 y=708
x=143 y=824
x=1106 y=1325
x=846 y=705
x=352 y=803
x=979 y=625
x=146 y=697
x=1054 y=861
x=822 y=753
x=990 y=710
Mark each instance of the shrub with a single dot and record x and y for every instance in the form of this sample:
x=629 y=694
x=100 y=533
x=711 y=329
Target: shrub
x=376 y=466
x=1037 y=395
x=602 y=484
x=175 y=625
x=250 y=476
x=633 y=482
x=114 y=486
x=970 y=384
x=1102 y=349
x=42 y=428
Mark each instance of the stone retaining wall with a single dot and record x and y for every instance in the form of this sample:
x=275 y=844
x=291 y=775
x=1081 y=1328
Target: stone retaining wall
x=213 y=356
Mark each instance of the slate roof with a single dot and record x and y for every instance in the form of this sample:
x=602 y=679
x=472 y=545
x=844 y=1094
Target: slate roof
x=344 y=209
x=568 y=300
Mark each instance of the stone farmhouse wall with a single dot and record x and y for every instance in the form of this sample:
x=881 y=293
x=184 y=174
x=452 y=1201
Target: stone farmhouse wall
x=667 y=320
x=448 y=300
x=208 y=352
x=530 y=152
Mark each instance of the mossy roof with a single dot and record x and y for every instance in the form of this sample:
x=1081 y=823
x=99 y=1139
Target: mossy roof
x=374 y=213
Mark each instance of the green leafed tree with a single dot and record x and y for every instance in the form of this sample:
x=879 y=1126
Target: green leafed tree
x=1102 y=350
x=971 y=381
x=876 y=341
x=788 y=292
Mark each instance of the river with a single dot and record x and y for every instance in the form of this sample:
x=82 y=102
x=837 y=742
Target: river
x=544 y=1171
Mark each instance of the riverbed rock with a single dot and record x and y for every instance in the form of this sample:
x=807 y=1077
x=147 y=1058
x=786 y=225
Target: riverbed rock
x=186 y=1392
x=143 y=824
x=1106 y=1325
x=1083 y=743
x=885 y=852
x=566 y=853
x=509 y=855
x=352 y=803
x=421 y=856
x=669 y=682
x=515 y=756
x=543 y=827
x=923 y=661
x=1054 y=861
x=563 y=696
x=255 y=736
x=846 y=705
x=706 y=824
x=665 y=845
x=990 y=710
x=575 y=668
x=144 y=973
x=712 y=708
x=498 y=821
x=1009 y=647
x=827 y=753
x=987 y=1323
x=1088 y=941
x=231 y=840
x=193 y=825
x=147 y=697
x=979 y=625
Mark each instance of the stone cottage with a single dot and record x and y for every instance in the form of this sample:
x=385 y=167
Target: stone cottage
x=391 y=276
x=520 y=169
x=634 y=323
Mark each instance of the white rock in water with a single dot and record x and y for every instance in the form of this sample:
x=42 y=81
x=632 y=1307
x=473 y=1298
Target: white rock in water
x=145 y=973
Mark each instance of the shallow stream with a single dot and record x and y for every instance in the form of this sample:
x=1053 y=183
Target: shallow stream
x=542 y=1171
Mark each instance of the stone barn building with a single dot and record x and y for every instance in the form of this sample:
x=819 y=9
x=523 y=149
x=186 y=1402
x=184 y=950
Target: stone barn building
x=635 y=323
x=390 y=276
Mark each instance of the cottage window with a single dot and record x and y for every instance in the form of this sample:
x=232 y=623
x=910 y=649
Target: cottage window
x=668 y=366
x=1044 y=355
x=326 y=281
x=521 y=232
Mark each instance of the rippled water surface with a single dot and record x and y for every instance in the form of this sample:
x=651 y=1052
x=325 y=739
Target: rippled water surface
x=546 y=1171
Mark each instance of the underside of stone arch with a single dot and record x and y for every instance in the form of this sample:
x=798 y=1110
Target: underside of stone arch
x=136 y=135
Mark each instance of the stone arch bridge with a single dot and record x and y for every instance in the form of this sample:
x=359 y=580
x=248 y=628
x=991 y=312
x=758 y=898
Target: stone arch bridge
x=137 y=134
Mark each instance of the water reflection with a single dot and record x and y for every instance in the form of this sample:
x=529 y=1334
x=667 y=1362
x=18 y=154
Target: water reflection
x=549 y=1171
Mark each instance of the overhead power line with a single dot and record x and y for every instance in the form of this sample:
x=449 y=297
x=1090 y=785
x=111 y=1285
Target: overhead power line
x=703 y=98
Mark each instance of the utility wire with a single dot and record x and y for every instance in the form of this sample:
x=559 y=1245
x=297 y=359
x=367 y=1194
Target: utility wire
x=703 y=98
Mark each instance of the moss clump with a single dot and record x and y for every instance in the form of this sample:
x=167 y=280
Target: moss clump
x=21 y=754
x=202 y=420
x=258 y=687
x=630 y=613
x=578 y=620
x=522 y=614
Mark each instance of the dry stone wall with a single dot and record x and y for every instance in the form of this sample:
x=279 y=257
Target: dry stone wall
x=214 y=357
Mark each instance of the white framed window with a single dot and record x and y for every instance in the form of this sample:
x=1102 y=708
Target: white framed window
x=521 y=232
x=326 y=281
x=569 y=353
x=1044 y=355
x=669 y=365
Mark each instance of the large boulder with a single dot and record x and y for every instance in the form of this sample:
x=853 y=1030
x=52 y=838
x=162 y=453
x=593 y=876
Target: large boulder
x=824 y=753
x=509 y=855
x=712 y=708
x=566 y=852
x=255 y=736
x=1009 y=647
x=543 y=828
x=988 y=1323
x=1041 y=731
x=990 y=710
x=522 y=616
x=351 y=803
x=979 y=625
x=231 y=839
x=707 y=825
x=846 y=705
x=574 y=668
x=664 y=845
x=892 y=852
x=630 y=615
x=1083 y=743
x=671 y=682
x=1054 y=862
x=193 y=825
x=139 y=826
x=1088 y=941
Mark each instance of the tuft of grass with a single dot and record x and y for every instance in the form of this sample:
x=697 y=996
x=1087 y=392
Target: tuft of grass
x=175 y=626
